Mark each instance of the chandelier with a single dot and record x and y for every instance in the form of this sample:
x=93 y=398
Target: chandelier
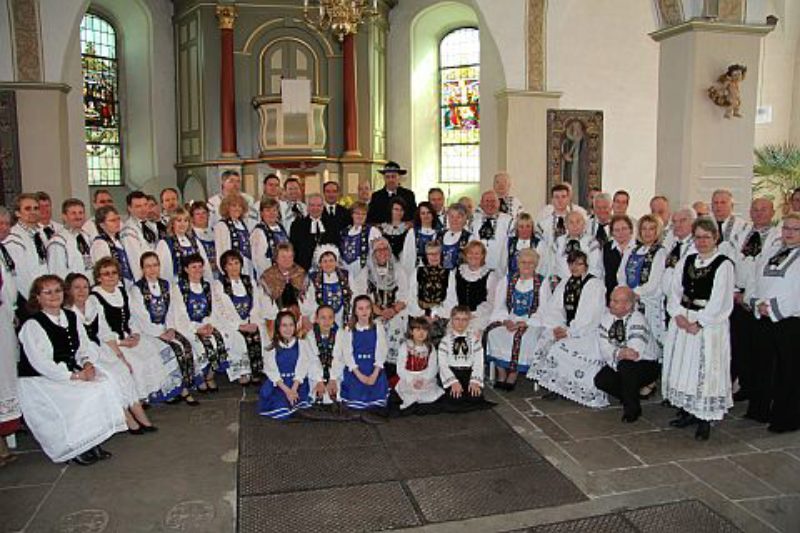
x=342 y=17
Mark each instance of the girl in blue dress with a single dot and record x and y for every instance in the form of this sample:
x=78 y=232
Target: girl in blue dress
x=358 y=358
x=286 y=364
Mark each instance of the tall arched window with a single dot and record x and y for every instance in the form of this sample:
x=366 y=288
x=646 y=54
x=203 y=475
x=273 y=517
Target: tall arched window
x=459 y=75
x=101 y=100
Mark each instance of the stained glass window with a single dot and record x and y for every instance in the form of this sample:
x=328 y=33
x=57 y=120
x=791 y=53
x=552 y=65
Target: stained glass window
x=101 y=100
x=459 y=74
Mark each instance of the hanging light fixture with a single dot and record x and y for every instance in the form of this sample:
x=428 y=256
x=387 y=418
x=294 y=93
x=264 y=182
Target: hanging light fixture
x=342 y=17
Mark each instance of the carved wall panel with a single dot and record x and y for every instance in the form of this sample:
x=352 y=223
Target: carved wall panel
x=10 y=174
x=25 y=29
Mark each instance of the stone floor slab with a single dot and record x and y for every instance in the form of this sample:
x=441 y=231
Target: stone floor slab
x=611 y=523
x=17 y=505
x=599 y=423
x=426 y=427
x=550 y=428
x=488 y=492
x=374 y=507
x=600 y=454
x=778 y=469
x=679 y=444
x=634 y=479
x=782 y=512
x=729 y=478
x=760 y=438
x=30 y=468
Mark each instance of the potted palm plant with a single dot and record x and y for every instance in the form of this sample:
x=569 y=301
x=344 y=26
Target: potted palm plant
x=776 y=172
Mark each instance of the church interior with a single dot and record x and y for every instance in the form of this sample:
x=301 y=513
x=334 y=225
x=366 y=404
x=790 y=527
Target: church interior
x=126 y=95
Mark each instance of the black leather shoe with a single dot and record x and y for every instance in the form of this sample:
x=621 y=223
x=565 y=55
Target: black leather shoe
x=137 y=431
x=703 y=430
x=684 y=420
x=741 y=395
x=149 y=429
x=631 y=417
x=85 y=459
x=774 y=428
x=101 y=453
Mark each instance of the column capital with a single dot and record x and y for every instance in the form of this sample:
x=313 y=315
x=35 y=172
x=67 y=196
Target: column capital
x=226 y=15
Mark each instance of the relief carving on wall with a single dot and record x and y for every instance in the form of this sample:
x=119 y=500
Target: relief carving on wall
x=27 y=39
x=670 y=12
x=536 y=45
x=732 y=11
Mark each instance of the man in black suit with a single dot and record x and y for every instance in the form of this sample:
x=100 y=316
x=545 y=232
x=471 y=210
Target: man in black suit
x=309 y=232
x=379 y=209
x=335 y=217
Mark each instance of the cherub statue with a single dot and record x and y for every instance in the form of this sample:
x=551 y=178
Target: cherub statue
x=725 y=92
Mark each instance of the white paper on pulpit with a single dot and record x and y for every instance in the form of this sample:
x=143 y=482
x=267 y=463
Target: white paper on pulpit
x=296 y=96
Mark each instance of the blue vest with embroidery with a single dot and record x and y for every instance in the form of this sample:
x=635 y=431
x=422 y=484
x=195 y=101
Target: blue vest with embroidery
x=332 y=295
x=240 y=239
x=178 y=252
x=354 y=247
x=422 y=241
x=157 y=306
x=198 y=306
x=521 y=302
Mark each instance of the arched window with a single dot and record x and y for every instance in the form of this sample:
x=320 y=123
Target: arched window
x=101 y=100
x=459 y=77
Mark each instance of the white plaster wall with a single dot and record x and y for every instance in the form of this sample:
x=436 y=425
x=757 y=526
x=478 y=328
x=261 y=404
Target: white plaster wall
x=502 y=25
x=599 y=55
x=6 y=59
x=148 y=90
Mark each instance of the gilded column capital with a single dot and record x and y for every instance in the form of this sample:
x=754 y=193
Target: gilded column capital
x=226 y=15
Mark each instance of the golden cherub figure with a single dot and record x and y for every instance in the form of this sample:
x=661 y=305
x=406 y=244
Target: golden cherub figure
x=726 y=93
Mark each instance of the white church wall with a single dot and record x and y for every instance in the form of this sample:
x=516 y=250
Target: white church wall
x=147 y=89
x=412 y=101
x=599 y=55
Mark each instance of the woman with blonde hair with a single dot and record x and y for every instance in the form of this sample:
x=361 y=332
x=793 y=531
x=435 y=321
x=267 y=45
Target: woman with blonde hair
x=180 y=242
x=641 y=269
x=231 y=232
x=472 y=284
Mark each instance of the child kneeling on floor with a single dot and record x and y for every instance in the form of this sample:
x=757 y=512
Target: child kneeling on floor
x=417 y=367
x=461 y=364
x=286 y=365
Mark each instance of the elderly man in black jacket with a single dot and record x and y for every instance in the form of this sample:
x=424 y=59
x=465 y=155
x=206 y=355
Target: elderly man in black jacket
x=379 y=210
x=309 y=232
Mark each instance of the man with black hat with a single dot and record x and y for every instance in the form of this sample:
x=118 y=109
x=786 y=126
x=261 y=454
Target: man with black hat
x=379 y=210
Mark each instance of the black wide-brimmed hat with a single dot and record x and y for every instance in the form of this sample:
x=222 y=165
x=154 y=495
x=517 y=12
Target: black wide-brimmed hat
x=391 y=166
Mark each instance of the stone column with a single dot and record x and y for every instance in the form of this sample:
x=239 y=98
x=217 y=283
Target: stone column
x=226 y=15
x=350 y=98
x=698 y=149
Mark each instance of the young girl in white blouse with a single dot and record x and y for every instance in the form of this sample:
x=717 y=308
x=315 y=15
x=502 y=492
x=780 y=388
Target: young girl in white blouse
x=287 y=363
x=417 y=368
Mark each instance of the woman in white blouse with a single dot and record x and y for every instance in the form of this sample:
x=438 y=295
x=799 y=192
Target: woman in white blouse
x=69 y=405
x=231 y=232
x=150 y=303
x=696 y=375
x=107 y=243
x=242 y=304
x=642 y=269
x=179 y=243
x=76 y=299
x=400 y=236
x=156 y=374
x=267 y=235
x=328 y=285
x=197 y=313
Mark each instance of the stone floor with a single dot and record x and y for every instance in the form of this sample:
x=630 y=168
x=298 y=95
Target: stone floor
x=183 y=478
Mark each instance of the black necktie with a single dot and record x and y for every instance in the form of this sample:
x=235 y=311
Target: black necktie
x=460 y=346
x=486 y=233
x=719 y=227
x=7 y=259
x=674 y=255
x=572 y=245
x=149 y=234
x=48 y=232
x=753 y=245
x=601 y=235
x=296 y=210
x=504 y=207
x=83 y=246
x=561 y=229
x=41 y=251
x=780 y=257
x=332 y=211
x=617 y=331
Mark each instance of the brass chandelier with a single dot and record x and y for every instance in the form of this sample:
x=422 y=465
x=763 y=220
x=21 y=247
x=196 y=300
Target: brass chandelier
x=342 y=17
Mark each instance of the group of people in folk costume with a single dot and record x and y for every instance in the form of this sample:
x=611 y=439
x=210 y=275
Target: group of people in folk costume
x=390 y=305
